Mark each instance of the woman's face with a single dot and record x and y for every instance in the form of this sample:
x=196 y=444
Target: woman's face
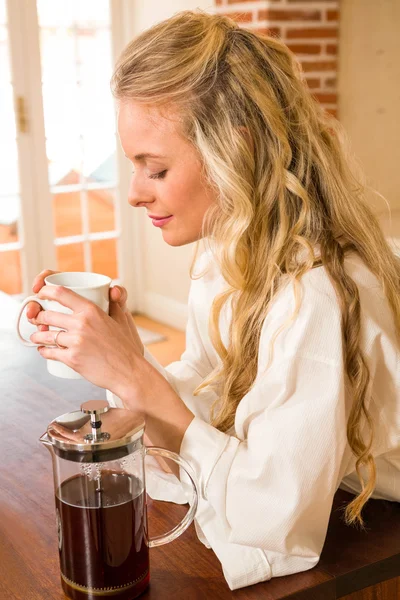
x=167 y=172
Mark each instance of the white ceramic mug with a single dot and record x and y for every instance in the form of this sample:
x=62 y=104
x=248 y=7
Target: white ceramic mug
x=92 y=286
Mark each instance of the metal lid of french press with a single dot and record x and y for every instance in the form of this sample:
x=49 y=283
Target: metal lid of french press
x=96 y=427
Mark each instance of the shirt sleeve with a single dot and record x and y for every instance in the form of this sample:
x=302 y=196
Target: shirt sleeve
x=266 y=500
x=275 y=489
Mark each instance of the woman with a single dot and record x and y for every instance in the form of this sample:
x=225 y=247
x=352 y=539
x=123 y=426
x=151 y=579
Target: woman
x=292 y=390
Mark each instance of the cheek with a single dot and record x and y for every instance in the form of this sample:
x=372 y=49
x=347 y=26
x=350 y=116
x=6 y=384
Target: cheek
x=191 y=195
x=175 y=196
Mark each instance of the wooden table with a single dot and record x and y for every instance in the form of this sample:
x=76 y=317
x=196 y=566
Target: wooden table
x=182 y=570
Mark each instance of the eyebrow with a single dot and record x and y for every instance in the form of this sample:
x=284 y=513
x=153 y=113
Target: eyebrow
x=145 y=155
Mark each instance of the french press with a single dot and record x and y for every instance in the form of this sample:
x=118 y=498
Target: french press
x=100 y=495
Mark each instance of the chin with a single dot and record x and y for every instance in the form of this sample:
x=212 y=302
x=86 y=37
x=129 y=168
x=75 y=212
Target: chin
x=179 y=240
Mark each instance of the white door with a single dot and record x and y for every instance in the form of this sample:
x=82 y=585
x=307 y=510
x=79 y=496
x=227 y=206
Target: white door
x=63 y=184
x=18 y=253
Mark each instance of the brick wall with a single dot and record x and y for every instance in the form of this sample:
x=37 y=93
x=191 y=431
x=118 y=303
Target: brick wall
x=308 y=27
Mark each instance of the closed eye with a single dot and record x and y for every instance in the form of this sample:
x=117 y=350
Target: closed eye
x=159 y=175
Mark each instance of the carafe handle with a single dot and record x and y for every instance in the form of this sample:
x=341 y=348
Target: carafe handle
x=159 y=540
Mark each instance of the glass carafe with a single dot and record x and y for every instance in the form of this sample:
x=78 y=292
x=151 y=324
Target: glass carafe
x=100 y=495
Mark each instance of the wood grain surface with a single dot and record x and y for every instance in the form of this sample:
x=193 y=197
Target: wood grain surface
x=183 y=570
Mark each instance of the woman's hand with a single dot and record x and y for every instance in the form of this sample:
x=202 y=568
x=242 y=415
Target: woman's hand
x=107 y=350
x=103 y=348
x=118 y=294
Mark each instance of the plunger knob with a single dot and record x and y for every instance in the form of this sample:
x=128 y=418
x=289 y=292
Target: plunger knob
x=95 y=408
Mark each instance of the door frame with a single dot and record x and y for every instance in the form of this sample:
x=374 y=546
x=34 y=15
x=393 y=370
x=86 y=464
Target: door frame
x=36 y=221
x=132 y=240
x=37 y=248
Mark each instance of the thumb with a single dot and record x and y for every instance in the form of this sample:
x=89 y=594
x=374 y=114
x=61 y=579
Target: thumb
x=117 y=313
x=118 y=294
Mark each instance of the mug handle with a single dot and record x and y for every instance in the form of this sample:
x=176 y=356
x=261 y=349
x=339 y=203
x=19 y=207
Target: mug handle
x=18 y=319
x=159 y=540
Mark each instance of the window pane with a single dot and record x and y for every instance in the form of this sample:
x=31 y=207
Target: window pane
x=64 y=148
x=104 y=257
x=9 y=216
x=87 y=13
x=10 y=269
x=67 y=214
x=101 y=210
x=70 y=257
x=79 y=113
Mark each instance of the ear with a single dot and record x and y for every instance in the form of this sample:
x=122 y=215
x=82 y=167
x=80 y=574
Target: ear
x=248 y=137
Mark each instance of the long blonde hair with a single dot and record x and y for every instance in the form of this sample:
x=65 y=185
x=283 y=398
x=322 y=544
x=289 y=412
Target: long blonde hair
x=291 y=189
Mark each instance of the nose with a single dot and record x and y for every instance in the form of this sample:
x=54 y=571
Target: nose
x=138 y=193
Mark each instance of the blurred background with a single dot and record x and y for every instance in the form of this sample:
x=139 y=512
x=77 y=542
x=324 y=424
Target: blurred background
x=64 y=178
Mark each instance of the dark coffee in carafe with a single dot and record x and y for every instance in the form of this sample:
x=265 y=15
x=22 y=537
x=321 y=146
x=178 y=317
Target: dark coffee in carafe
x=98 y=456
x=103 y=537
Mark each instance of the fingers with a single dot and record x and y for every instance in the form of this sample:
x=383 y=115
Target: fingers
x=56 y=319
x=117 y=313
x=32 y=310
x=119 y=294
x=125 y=319
x=38 y=282
x=64 y=296
x=47 y=338
x=54 y=353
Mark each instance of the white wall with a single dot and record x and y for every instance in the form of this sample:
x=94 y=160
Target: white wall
x=369 y=93
x=148 y=12
x=165 y=269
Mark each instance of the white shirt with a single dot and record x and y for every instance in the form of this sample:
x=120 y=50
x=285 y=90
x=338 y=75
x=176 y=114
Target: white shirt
x=267 y=486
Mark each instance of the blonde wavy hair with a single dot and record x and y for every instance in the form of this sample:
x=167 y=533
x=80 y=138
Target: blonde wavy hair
x=291 y=189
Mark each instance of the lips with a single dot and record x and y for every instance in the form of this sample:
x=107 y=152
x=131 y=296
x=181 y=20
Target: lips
x=156 y=218
x=160 y=222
